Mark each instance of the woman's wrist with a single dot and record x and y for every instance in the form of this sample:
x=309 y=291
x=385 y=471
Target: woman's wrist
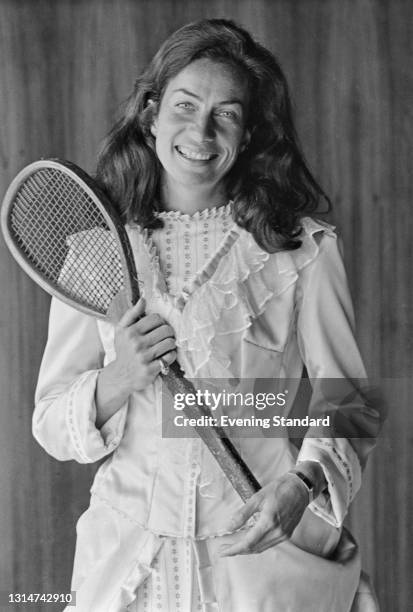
x=111 y=393
x=312 y=476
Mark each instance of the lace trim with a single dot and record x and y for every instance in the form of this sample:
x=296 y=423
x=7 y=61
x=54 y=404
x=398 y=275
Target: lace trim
x=207 y=213
x=345 y=467
x=71 y=421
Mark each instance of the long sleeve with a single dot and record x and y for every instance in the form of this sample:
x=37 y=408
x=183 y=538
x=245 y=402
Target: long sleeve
x=325 y=329
x=65 y=410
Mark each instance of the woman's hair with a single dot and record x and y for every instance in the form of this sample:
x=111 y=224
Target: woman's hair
x=270 y=182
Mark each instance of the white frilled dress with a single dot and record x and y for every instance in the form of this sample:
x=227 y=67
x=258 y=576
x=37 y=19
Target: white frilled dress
x=160 y=507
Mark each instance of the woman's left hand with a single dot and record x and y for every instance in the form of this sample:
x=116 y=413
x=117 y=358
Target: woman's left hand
x=279 y=507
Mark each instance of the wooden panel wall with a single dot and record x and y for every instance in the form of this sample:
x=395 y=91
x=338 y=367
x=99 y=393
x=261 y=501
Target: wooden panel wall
x=65 y=66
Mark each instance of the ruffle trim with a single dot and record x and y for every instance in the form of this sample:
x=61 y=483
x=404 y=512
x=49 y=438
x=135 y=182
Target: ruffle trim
x=222 y=303
x=234 y=289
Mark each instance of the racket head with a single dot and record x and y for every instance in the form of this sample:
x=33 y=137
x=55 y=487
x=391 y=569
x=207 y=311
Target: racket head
x=65 y=234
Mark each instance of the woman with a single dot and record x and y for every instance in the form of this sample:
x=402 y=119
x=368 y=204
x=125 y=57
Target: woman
x=238 y=282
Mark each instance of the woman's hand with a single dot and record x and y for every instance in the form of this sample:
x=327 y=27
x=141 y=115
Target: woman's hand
x=140 y=340
x=279 y=507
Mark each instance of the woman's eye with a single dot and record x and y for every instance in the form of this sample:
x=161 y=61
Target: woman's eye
x=227 y=114
x=185 y=105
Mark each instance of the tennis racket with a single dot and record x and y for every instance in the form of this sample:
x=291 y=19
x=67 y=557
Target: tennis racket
x=65 y=234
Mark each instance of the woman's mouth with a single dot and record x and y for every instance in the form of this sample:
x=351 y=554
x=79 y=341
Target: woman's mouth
x=195 y=155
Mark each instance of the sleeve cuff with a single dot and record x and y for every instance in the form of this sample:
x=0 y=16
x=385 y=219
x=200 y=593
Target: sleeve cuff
x=342 y=472
x=89 y=443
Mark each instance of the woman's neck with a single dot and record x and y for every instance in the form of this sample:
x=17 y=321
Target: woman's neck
x=191 y=199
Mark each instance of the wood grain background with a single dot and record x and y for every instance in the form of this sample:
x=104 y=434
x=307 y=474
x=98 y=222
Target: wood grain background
x=65 y=67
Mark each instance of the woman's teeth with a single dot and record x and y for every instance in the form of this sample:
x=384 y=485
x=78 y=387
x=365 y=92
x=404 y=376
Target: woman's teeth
x=190 y=154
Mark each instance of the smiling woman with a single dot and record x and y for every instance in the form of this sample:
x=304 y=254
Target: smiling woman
x=200 y=135
x=240 y=284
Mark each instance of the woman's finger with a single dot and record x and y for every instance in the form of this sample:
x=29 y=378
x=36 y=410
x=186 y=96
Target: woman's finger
x=155 y=336
x=148 y=323
x=250 y=507
x=154 y=368
x=246 y=541
x=169 y=357
x=133 y=314
x=270 y=541
x=159 y=349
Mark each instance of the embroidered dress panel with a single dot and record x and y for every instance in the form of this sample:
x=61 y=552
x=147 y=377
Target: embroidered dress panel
x=187 y=242
x=172 y=585
x=184 y=245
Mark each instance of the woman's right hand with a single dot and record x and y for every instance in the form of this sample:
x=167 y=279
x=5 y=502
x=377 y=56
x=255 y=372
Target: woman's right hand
x=140 y=341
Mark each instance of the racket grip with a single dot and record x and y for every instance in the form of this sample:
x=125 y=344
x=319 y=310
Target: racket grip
x=219 y=445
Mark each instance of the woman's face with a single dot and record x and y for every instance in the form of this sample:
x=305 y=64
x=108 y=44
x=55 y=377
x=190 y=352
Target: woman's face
x=200 y=125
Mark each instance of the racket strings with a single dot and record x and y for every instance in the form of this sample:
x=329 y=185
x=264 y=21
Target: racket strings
x=65 y=236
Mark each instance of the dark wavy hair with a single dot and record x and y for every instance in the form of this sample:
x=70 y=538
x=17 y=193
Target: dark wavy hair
x=270 y=182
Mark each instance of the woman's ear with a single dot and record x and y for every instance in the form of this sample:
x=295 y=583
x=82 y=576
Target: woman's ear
x=152 y=105
x=154 y=127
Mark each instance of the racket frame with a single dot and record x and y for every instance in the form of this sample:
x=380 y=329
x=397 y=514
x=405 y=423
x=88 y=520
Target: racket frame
x=111 y=217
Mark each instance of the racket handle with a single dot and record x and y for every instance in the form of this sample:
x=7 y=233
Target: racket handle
x=221 y=447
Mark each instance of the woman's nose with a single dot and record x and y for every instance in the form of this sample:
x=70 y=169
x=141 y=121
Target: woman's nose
x=204 y=127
